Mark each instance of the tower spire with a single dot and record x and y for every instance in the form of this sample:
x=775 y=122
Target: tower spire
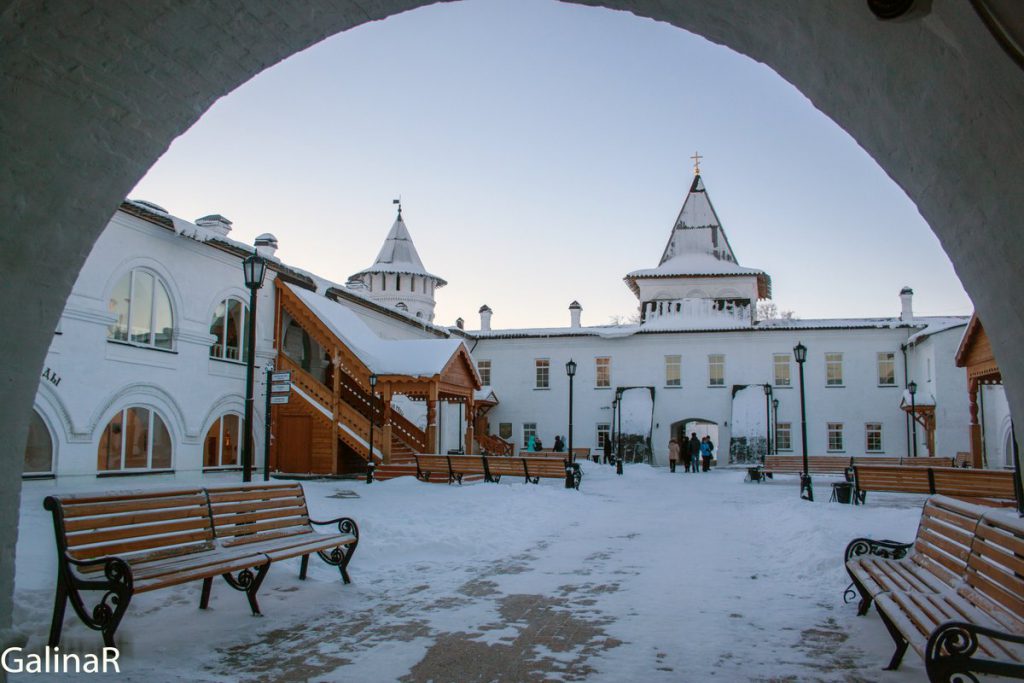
x=399 y=202
x=696 y=162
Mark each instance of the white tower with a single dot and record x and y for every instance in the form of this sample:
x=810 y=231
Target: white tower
x=397 y=278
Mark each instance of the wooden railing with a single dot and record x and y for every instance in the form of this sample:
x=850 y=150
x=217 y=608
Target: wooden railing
x=495 y=444
x=413 y=437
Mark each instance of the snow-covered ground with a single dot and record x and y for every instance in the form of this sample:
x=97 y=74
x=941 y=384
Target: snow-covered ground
x=650 y=576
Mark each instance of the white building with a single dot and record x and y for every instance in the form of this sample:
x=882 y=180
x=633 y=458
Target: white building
x=146 y=370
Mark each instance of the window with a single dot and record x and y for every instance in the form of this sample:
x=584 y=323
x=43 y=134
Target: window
x=484 y=367
x=221 y=446
x=886 y=369
x=543 y=369
x=835 y=436
x=39 y=447
x=135 y=439
x=142 y=309
x=603 y=434
x=505 y=430
x=716 y=370
x=604 y=372
x=229 y=326
x=873 y=437
x=784 y=436
x=833 y=369
x=673 y=371
x=529 y=433
x=781 y=369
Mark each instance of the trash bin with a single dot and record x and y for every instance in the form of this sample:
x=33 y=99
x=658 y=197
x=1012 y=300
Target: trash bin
x=842 y=492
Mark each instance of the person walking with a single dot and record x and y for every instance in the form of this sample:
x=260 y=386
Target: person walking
x=607 y=450
x=559 y=445
x=695 y=451
x=673 y=454
x=706 y=450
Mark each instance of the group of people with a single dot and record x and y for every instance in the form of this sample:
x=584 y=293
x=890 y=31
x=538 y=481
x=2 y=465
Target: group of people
x=696 y=453
x=535 y=444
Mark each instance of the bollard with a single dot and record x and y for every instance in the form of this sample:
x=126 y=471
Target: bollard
x=370 y=466
x=618 y=466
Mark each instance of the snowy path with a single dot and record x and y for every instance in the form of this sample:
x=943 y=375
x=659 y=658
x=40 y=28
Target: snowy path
x=651 y=576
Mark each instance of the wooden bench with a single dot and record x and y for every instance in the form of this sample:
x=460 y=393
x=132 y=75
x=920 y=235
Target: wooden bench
x=976 y=627
x=937 y=560
x=970 y=484
x=124 y=543
x=833 y=464
x=273 y=519
x=493 y=467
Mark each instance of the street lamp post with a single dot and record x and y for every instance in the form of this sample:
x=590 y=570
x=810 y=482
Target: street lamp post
x=912 y=389
x=775 y=424
x=611 y=432
x=618 y=429
x=570 y=370
x=370 y=465
x=806 y=489
x=767 y=419
x=254 y=268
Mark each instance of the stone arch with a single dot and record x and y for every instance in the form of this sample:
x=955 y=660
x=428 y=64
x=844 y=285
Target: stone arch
x=955 y=146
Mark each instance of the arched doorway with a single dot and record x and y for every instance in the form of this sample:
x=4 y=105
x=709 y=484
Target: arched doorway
x=683 y=430
x=953 y=147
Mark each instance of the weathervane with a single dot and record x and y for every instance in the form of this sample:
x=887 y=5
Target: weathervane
x=696 y=162
x=399 y=202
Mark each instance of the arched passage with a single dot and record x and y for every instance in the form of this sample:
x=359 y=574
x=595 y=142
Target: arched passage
x=96 y=92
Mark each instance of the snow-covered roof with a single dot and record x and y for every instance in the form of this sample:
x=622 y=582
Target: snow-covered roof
x=680 y=325
x=398 y=255
x=697 y=227
x=694 y=263
x=936 y=325
x=412 y=357
x=921 y=398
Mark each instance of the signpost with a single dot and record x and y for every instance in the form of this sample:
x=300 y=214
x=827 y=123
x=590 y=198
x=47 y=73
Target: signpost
x=279 y=387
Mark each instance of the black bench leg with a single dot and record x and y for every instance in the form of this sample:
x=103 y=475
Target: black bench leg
x=204 y=598
x=303 y=567
x=249 y=583
x=60 y=603
x=898 y=639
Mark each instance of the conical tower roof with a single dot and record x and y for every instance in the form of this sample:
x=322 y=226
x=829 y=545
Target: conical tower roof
x=398 y=254
x=697 y=228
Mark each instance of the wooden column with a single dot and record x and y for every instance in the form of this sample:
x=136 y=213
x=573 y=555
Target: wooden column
x=432 y=419
x=335 y=406
x=975 y=426
x=470 y=430
x=385 y=446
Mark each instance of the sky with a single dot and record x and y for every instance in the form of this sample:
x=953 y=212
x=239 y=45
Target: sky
x=542 y=151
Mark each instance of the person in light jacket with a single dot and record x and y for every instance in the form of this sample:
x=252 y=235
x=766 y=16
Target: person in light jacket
x=673 y=454
x=707 y=449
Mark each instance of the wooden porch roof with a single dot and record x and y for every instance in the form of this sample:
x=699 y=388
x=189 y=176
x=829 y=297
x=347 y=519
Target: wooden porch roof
x=975 y=354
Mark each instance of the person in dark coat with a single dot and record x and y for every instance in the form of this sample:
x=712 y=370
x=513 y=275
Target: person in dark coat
x=684 y=452
x=607 y=450
x=695 y=451
x=559 y=445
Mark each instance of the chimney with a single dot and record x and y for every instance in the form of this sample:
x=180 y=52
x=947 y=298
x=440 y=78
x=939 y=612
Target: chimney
x=215 y=222
x=485 y=318
x=460 y=323
x=266 y=245
x=907 y=305
x=575 y=311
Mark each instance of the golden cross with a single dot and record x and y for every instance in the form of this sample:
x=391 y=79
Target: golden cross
x=696 y=162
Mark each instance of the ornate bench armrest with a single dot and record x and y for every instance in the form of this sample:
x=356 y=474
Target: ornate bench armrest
x=891 y=550
x=346 y=525
x=952 y=646
x=115 y=569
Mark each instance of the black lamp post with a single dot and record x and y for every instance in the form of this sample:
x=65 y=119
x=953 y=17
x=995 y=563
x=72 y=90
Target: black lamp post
x=767 y=419
x=775 y=424
x=570 y=369
x=370 y=465
x=618 y=429
x=912 y=390
x=254 y=268
x=611 y=431
x=806 y=490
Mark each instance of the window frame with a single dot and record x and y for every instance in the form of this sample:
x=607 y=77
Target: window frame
x=529 y=429
x=539 y=365
x=871 y=428
x=220 y=444
x=879 y=360
x=837 y=445
x=677 y=382
x=150 y=439
x=222 y=340
x=787 y=429
x=480 y=368
x=604 y=428
x=833 y=361
x=787 y=364
x=602 y=372
x=713 y=364
x=159 y=285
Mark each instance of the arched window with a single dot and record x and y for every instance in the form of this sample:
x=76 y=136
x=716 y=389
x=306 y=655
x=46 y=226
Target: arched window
x=221 y=447
x=39 y=447
x=136 y=438
x=143 y=310
x=230 y=327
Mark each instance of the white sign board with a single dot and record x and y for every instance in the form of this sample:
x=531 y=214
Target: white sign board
x=279 y=400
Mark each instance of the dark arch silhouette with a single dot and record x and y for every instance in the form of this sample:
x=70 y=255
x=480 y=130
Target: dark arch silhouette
x=96 y=91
